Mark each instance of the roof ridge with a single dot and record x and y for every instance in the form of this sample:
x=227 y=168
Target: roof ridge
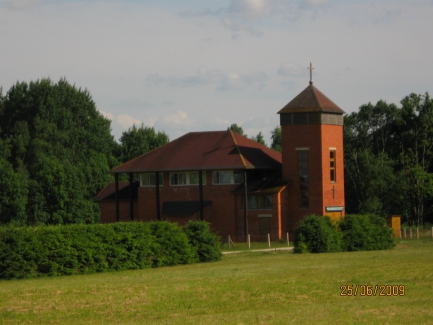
x=313 y=91
x=237 y=147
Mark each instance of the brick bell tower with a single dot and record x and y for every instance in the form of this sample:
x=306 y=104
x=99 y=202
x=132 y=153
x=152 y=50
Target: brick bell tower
x=312 y=148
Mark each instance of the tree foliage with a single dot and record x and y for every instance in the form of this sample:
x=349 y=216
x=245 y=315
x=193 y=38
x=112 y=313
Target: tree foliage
x=56 y=150
x=276 y=138
x=259 y=138
x=139 y=140
x=236 y=128
x=388 y=158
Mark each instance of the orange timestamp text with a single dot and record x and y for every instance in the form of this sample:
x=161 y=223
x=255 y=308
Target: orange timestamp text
x=369 y=290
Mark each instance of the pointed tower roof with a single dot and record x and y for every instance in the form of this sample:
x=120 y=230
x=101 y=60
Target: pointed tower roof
x=311 y=99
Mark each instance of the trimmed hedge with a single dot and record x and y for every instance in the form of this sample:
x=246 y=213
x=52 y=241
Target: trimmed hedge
x=81 y=249
x=317 y=234
x=366 y=232
x=206 y=244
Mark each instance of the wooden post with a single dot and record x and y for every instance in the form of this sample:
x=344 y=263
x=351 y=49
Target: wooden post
x=249 y=242
x=245 y=204
x=404 y=232
x=288 y=243
x=158 y=205
x=269 y=240
x=200 y=184
x=417 y=232
x=228 y=240
x=131 y=198
x=410 y=232
x=116 y=191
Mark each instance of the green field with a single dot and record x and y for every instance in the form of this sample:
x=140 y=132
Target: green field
x=245 y=288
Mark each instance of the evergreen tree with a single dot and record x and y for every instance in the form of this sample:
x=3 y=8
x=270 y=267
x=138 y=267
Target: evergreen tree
x=276 y=138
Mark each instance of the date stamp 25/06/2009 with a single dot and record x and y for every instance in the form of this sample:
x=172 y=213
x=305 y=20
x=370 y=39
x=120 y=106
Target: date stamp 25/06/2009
x=369 y=290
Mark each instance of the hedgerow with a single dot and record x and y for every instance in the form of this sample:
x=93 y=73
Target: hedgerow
x=317 y=234
x=205 y=243
x=366 y=232
x=28 y=252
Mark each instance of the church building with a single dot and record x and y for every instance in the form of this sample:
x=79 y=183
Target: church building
x=236 y=184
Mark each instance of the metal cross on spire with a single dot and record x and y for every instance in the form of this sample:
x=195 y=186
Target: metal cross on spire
x=311 y=73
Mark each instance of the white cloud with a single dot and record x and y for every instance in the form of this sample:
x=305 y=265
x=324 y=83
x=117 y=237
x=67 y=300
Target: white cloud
x=20 y=4
x=177 y=118
x=127 y=121
x=237 y=26
x=222 y=81
x=251 y=8
x=106 y=114
x=291 y=69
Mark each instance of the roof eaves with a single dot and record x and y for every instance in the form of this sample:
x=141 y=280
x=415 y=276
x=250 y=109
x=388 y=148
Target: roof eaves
x=190 y=169
x=237 y=148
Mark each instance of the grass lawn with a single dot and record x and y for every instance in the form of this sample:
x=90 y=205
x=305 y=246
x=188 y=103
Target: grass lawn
x=244 y=288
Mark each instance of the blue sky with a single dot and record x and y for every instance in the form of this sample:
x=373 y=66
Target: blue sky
x=184 y=66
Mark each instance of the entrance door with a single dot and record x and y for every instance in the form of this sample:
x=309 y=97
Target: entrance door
x=265 y=228
x=334 y=215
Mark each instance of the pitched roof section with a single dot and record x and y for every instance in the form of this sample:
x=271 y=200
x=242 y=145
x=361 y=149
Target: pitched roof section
x=311 y=99
x=108 y=193
x=205 y=151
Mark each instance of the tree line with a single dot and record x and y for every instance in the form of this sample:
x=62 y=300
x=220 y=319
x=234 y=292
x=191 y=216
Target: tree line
x=56 y=151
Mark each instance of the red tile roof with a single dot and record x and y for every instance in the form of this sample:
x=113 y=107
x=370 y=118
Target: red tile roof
x=311 y=99
x=205 y=151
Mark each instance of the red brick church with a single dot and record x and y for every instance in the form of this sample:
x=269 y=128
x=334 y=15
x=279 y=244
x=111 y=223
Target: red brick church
x=236 y=184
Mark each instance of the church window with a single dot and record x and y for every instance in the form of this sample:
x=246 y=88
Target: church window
x=149 y=180
x=193 y=178
x=303 y=178
x=228 y=177
x=238 y=176
x=258 y=202
x=332 y=165
x=186 y=178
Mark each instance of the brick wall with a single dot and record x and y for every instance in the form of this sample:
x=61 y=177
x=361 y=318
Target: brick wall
x=225 y=213
x=318 y=138
x=108 y=211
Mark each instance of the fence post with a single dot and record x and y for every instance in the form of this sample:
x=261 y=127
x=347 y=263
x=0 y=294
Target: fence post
x=404 y=232
x=228 y=240
x=417 y=232
x=288 y=243
x=249 y=242
x=410 y=232
x=269 y=240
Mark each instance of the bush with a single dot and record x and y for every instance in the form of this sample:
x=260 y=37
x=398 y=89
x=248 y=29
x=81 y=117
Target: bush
x=78 y=249
x=205 y=243
x=171 y=245
x=353 y=233
x=317 y=234
x=366 y=232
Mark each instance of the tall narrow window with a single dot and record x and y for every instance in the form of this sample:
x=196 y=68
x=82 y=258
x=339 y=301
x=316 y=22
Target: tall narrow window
x=332 y=165
x=303 y=178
